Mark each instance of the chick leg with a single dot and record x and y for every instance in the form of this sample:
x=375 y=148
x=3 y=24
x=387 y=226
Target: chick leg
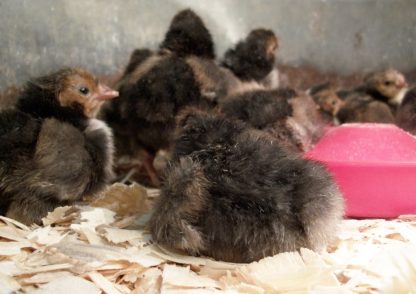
x=147 y=162
x=177 y=209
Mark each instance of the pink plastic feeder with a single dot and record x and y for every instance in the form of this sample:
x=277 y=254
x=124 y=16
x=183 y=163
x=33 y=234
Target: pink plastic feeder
x=374 y=166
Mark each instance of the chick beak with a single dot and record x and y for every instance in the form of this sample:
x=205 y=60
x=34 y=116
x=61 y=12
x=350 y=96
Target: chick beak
x=105 y=92
x=402 y=84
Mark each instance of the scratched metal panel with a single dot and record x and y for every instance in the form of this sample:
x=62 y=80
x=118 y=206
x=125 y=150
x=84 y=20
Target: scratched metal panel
x=344 y=36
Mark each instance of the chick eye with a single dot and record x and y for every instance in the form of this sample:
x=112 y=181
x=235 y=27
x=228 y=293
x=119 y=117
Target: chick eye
x=84 y=90
x=388 y=83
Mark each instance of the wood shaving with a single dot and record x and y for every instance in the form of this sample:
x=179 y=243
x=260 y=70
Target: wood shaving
x=105 y=248
x=68 y=285
x=124 y=200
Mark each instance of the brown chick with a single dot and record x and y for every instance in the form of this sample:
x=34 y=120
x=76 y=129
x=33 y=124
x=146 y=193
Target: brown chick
x=306 y=123
x=376 y=100
x=388 y=86
x=326 y=97
x=363 y=108
x=53 y=151
x=406 y=113
x=232 y=193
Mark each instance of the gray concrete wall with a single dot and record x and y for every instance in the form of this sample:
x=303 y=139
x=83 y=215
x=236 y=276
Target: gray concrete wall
x=343 y=36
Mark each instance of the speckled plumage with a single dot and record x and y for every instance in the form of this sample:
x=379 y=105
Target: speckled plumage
x=376 y=100
x=363 y=108
x=252 y=58
x=52 y=155
x=326 y=97
x=157 y=85
x=406 y=113
x=234 y=194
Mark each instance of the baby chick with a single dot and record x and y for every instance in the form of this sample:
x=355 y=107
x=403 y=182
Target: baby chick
x=292 y=118
x=406 y=113
x=158 y=85
x=234 y=194
x=376 y=100
x=388 y=86
x=259 y=108
x=363 y=108
x=143 y=118
x=136 y=58
x=254 y=57
x=189 y=38
x=53 y=150
x=188 y=35
x=267 y=110
x=326 y=97
x=306 y=121
x=8 y=97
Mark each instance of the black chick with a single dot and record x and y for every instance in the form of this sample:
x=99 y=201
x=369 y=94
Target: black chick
x=143 y=118
x=259 y=108
x=188 y=35
x=234 y=194
x=189 y=38
x=52 y=150
x=292 y=118
x=254 y=57
x=158 y=85
x=406 y=113
x=8 y=97
x=137 y=57
x=267 y=110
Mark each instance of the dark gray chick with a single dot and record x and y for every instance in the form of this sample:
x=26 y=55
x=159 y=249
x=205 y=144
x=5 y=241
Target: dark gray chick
x=234 y=194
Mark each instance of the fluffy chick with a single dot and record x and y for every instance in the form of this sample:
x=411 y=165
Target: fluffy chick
x=376 y=100
x=53 y=151
x=189 y=38
x=254 y=57
x=290 y=117
x=188 y=35
x=267 y=110
x=406 y=113
x=158 y=85
x=137 y=57
x=326 y=97
x=388 y=86
x=363 y=108
x=306 y=123
x=259 y=108
x=234 y=194
x=8 y=97
x=143 y=118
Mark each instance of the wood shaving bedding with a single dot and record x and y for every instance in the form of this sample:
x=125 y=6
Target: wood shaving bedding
x=105 y=248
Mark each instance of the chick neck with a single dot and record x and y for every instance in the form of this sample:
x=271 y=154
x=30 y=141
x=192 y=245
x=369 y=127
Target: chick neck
x=42 y=103
x=373 y=93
